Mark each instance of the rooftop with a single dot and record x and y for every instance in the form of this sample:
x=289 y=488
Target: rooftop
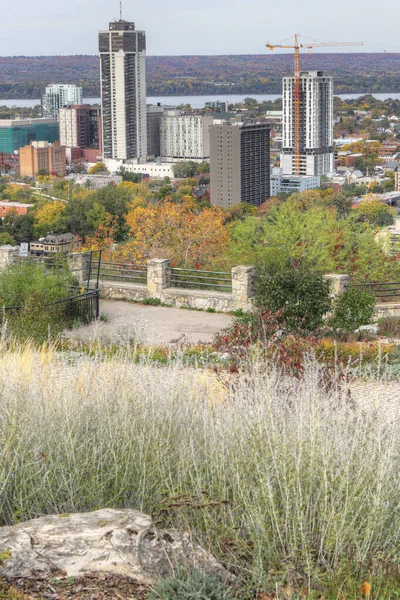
x=14 y=204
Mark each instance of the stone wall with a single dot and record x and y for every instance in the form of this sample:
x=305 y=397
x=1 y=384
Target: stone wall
x=200 y=299
x=389 y=309
x=8 y=255
x=159 y=287
x=120 y=290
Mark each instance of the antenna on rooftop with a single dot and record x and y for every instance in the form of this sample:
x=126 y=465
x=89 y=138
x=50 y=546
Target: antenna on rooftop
x=120 y=10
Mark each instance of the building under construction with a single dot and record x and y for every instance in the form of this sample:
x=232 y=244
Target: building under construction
x=307 y=145
x=316 y=124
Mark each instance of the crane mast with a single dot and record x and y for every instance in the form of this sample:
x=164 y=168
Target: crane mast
x=297 y=89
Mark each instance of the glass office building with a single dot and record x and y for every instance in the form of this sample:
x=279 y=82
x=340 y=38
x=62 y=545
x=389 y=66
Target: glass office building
x=16 y=133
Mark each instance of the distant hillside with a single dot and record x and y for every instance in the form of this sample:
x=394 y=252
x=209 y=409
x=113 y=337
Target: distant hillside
x=25 y=76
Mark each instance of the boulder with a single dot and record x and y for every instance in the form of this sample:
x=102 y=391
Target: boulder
x=120 y=542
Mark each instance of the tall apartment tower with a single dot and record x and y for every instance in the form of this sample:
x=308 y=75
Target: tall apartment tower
x=123 y=92
x=239 y=163
x=316 y=137
x=59 y=95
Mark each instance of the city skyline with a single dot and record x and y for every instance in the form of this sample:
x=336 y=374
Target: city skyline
x=43 y=28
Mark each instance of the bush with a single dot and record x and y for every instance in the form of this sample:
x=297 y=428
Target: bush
x=300 y=295
x=262 y=325
x=192 y=585
x=352 y=309
x=28 y=290
x=389 y=326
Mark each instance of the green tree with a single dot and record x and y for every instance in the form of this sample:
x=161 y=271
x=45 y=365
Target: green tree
x=19 y=227
x=316 y=237
x=6 y=238
x=183 y=170
x=375 y=212
x=128 y=176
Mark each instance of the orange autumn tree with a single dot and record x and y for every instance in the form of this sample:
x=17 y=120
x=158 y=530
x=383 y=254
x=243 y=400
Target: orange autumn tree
x=188 y=237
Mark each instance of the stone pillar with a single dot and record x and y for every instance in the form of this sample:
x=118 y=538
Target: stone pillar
x=80 y=263
x=243 y=280
x=338 y=283
x=158 y=276
x=8 y=255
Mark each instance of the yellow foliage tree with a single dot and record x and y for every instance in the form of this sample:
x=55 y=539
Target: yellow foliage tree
x=98 y=168
x=49 y=217
x=191 y=239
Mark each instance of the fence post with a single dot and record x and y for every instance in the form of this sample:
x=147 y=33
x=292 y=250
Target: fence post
x=79 y=263
x=243 y=280
x=158 y=276
x=338 y=283
x=8 y=255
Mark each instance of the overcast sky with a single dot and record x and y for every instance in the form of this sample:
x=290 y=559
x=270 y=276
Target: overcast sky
x=37 y=27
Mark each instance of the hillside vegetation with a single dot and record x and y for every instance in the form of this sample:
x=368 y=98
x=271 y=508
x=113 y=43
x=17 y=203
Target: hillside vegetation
x=286 y=481
x=25 y=77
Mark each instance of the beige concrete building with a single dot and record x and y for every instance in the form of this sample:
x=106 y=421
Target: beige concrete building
x=239 y=164
x=42 y=157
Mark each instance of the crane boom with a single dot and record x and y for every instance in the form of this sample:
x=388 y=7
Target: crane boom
x=297 y=87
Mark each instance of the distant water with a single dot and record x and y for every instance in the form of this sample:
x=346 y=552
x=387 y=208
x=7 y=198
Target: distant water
x=196 y=101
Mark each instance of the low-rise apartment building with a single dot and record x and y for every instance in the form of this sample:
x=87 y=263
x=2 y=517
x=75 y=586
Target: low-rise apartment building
x=42 y=157
x=19 y=208
x=56 y=243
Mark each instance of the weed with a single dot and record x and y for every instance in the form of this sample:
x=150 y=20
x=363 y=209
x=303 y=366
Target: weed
x=189 y=585
x=152 y=301
x=6 y=555
x=389 y=327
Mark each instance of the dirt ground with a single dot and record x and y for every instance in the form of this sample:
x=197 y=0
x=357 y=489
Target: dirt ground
x=94 y=587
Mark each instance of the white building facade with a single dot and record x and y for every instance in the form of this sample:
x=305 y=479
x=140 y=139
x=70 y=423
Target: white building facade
x=123 y=92
x=155 y=170
x=184 y=137
x=316 y=136
x=59 y=95
x=68 y=127
x=290 y=184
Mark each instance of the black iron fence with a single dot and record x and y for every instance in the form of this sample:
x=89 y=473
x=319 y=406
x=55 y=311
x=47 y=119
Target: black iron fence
x=131 y=273
x=384 y=291
x=201 y=280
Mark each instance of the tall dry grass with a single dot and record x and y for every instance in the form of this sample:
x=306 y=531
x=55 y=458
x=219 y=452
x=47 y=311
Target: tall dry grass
x=299 y=481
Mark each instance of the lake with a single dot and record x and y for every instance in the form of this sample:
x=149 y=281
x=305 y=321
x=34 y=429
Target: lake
x=195 y=101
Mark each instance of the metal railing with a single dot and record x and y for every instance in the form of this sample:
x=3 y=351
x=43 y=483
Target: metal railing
x=382 y=290
x=201 y=280
x=128 y=272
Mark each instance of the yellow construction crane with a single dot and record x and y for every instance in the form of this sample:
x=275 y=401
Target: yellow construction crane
x=297 y=86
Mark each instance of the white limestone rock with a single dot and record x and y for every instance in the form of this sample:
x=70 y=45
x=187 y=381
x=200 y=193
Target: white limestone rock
x=122 y=542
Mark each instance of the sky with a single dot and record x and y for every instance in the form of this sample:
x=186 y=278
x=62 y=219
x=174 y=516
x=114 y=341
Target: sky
x=51 y=27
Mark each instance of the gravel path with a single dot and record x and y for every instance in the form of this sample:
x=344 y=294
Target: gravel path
x=160 y=325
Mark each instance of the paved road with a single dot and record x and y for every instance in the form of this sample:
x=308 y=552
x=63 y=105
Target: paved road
x=158 y=324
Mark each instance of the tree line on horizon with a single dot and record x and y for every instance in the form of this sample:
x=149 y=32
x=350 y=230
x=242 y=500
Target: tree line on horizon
x=25 y=77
